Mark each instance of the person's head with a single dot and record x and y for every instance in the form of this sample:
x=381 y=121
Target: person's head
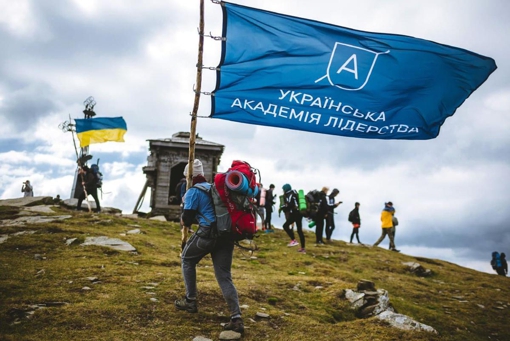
x=389 y=204
x=325 y=189
x=503 y=255
x=357 y=204
x=27 y=182
x=286 y=187
x=198 y=169
x=334 y=192
x=271 y=186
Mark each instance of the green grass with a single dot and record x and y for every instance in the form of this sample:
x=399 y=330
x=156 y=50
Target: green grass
x=301 y=293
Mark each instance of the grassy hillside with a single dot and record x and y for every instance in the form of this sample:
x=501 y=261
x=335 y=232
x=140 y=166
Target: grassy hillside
x=131 y=295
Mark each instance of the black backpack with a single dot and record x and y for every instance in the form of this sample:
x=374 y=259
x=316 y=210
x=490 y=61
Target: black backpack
x=97 y=174
x=313 y=199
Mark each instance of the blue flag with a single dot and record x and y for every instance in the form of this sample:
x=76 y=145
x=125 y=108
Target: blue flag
x=283 y=71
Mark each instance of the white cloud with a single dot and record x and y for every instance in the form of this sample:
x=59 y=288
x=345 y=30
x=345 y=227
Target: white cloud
x=18 y=17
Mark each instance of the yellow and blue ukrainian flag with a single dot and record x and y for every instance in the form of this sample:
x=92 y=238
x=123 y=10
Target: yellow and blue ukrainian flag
x=100 y=129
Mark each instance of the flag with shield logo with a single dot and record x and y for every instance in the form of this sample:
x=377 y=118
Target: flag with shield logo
x=350 y=66
x=289 y=72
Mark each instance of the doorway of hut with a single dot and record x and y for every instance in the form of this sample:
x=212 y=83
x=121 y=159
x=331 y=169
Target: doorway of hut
x=176 y=174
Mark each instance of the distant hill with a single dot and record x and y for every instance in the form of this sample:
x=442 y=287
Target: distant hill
x=54 y=288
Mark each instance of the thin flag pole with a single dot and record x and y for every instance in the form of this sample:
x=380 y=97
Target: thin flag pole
x=193 y=128
x=80 y=167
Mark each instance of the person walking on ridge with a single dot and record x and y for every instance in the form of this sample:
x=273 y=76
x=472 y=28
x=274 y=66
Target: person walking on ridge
x=386 y=224
x=355 y=220
x=320 y=216
x=198 y=205
x=330 y=217
x=291 y=210
x=504 y=263
x=498 y=263
x=269 y=208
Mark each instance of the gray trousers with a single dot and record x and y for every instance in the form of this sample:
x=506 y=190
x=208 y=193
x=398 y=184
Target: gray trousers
x=386 y=231
x=221 y=251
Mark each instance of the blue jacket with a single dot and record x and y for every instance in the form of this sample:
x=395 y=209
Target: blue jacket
x=197 y=203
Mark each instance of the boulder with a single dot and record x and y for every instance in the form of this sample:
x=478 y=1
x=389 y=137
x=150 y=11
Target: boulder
x=27 y=201
x=371 y=302
x=113 y=243
x=417 y=269
x=404 y=322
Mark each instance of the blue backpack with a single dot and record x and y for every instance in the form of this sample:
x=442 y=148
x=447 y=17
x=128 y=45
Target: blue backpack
x=99 y=176
x=496 y=260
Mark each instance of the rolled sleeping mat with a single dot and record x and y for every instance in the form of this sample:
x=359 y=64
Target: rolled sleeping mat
x=302 y=200
x=255 y=191
x=237 y=182
x=252 y=193
x=262 y=197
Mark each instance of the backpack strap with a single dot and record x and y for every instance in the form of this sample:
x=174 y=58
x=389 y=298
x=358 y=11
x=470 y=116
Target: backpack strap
x=208 y=191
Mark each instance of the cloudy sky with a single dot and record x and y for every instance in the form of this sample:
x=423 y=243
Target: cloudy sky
x=138 y=60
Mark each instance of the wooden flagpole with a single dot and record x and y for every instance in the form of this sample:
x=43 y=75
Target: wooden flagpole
x=198 y=89
x=193 y=128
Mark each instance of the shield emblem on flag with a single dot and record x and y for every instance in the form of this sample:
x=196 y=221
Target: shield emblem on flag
x=350 y=66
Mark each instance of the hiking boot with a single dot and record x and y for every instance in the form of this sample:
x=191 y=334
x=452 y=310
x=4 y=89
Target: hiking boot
x=395 y=250
x=293 y=243
x=301 y=250
x=235 y=325
x=189 y=305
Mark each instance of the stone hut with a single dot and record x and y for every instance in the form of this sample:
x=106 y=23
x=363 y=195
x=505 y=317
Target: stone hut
x=165 y=167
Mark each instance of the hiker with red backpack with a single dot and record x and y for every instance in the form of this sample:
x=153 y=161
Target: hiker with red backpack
x=293 y=215
x=225 y=213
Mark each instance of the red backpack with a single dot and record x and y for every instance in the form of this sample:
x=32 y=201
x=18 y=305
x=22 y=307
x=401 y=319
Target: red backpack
x=240 y=205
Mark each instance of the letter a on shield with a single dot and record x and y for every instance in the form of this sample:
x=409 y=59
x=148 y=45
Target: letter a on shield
x=350 y=66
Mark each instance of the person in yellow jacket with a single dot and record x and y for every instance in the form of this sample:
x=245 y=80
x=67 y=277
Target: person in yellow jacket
x=386 y=224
